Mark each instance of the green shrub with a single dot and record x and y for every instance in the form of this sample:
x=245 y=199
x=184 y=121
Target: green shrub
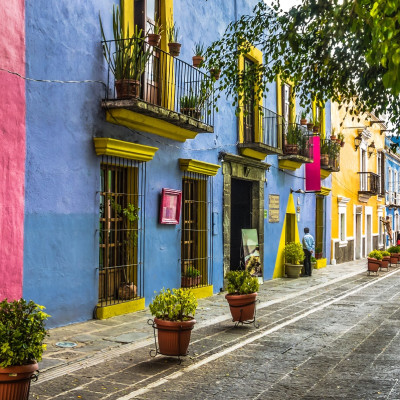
x=241 y=282
x=294 y=253
x=385 y=253
x=22 y=331
x=191 y=272
x=394 y=249
x=174 y=305
x=375 y=254
x=313 y=259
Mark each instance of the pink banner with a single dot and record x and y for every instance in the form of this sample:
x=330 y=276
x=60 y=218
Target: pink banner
x=313 y=170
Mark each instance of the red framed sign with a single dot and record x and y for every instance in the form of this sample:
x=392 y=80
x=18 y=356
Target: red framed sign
x=170 y=206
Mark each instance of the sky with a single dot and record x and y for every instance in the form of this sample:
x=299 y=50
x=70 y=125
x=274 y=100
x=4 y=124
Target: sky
x=286 y=4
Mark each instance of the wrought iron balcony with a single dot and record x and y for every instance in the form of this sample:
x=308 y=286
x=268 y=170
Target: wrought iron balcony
x=297 y=143
x=330 y=155
x=147 y=80
x=262 y=131
x=369 y=184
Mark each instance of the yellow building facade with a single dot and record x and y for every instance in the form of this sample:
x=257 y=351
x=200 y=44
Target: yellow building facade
x=358 y=195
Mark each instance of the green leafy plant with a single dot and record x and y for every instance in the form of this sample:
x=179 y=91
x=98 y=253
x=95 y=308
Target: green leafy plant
x=318 y=249
x=191 y=272
x=294 y=134
x=394 y=249
x=174 y=305
x=241 y=282
x=173 y=33
x=157 y=27
x=129 y=58
x=199 y=49
x=375 y=254
x=190 y=101
x=313 y=259
x=294 y=253
x=324 y=146
x=303 y=114
x=22 y=331
x=385 y=253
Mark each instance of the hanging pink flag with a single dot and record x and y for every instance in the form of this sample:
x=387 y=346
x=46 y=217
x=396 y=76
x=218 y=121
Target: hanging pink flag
x=313 y=170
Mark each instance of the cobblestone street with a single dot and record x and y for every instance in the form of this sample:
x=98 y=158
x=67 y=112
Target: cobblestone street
x=336 y=339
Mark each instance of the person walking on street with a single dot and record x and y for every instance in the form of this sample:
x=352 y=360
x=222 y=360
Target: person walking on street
x=308 y=248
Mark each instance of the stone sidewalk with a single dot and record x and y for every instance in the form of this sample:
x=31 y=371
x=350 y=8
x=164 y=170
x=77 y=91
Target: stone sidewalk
x=104 y=339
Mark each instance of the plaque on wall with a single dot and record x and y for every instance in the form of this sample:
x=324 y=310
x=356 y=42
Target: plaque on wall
x=273 y=208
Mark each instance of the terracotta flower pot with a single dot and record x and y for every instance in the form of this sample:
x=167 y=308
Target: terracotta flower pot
x=187 y=281
x=385 y=262
x=15 y=381
x=191 y=112
x=303 y=121
x=315 y=128
x=215 y=73
x=127 y=88
x=242 y=306
x=373 y=265
x=174 y=336
x=197 y=61
x=153 y=39
x=291 y=149
x=174 y=49
x=318 y=256
x=310 y=126
x=324 y=159
x=342 y=143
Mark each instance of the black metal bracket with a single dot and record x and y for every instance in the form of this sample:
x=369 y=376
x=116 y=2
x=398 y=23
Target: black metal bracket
x=249 y=322
x=153 y=352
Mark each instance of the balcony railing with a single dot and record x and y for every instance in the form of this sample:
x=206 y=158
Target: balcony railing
x=330 y=155
x=158 y=79
x=297 y=142
x=369 y=183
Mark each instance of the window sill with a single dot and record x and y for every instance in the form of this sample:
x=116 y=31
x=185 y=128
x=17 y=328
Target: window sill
x=343 y=243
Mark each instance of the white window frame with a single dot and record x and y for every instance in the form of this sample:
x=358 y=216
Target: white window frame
x=381 y=231
x=390 y=186
x=342 y=210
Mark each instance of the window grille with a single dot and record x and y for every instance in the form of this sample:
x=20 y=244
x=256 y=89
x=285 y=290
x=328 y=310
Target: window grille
x=121 y=230
x=249 y=114
x=196 y=237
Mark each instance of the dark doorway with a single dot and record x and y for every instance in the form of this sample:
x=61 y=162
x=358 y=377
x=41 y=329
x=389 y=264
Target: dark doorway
x=241 y=201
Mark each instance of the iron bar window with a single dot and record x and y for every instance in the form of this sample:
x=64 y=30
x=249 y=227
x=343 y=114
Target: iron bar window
x=196 y=236
x=121 y=230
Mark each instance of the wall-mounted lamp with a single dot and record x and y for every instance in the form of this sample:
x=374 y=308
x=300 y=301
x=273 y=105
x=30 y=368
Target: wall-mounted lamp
x=297 y=191
x=371 y=149
x=357 y=141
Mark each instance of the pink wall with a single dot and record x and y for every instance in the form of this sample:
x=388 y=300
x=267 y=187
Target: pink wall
x=313 y=170
x=12 y=147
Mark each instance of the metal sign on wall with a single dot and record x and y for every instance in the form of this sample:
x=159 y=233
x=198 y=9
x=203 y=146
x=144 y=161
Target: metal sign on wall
x=273 y=208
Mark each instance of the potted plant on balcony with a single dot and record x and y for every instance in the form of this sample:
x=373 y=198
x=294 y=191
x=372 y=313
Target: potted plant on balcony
x=317 y=126
x=374 y=261
x=173 y=312
x=153 y=38
x=294 y=255
x=324 y=149
x=242 y=293
x=22 y=332
x=215 y=70
x=310 y=123
x=333 y=135
x=191 y=277
x=198 y=57
x=190 y=106
x=303 y=118
x=292 y=139
x=340 y=139
x=128 y=60
x=173 y=44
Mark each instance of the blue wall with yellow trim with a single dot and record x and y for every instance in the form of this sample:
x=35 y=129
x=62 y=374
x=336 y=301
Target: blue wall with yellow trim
x=63 y=171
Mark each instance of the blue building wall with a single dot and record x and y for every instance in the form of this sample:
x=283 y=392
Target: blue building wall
x=62 y=169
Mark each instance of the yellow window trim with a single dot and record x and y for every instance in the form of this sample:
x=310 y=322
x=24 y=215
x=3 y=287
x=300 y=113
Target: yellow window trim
x=325 y=191
x=202 y=292
x=257 y=155
x=256 y=56
x=314 y=114
x=200 y=167
x=120 y=309
x=292 y=115
x=291 y=165
x=120 y=148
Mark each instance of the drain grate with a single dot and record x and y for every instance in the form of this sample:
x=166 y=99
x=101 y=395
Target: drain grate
x=66 y=345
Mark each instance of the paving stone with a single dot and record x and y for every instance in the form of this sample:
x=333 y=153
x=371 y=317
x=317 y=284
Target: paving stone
x=129 y=337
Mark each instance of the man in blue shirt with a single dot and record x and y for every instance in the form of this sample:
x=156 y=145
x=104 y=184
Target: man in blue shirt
x=308 y=248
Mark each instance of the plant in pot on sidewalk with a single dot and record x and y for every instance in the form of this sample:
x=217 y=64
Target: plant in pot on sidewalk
x=385 y=259
x=318 y=252
x=198 y=57
x=126 y=56
x=190 y=277
x=294 y=256
x=242 y=293
x=313 y=262
x=22 y=332
x=173 y=44
x=173 y=312
x=374 y=261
